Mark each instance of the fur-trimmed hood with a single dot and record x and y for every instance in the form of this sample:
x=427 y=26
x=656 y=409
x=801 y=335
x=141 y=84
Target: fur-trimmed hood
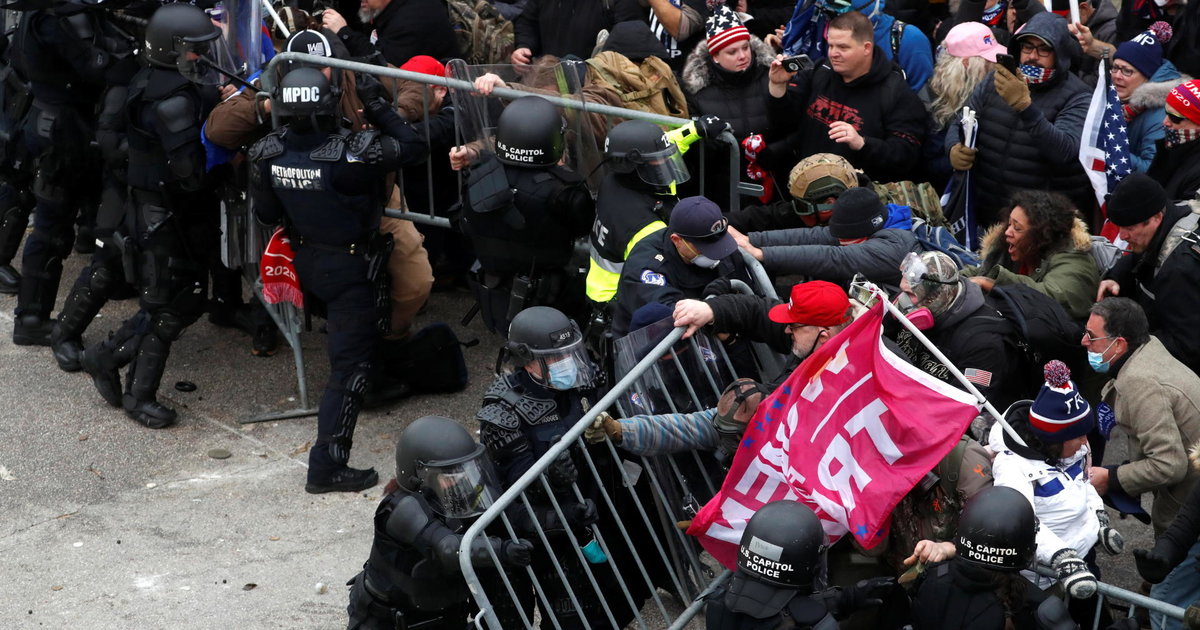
x=698 y=72
x=994 y=247
x=1153 y=93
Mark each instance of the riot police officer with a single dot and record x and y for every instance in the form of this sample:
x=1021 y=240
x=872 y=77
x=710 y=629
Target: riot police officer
x=523 y=215
x=774 y=585
x=58 y=50
x=981 y=587
x=678 y=262
x=104 y=275
x=634 y=199
x=171 y=221
x=16 y=168
x=329 y=185
x=412 y=578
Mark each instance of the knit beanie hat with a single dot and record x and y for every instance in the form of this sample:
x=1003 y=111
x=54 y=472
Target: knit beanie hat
x=1137 y=198
x=857 y=213
x=1060 y=413
x=723 y=28
x=1185 y=100
x=1145 y=52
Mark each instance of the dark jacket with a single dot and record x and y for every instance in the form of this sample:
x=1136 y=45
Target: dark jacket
x=655 y=272
x=1104 y=28
x=977 y=340
x=748 y=316
x=405 y=29
x=738 y=98
x=1177 y=169
x=1175 y=318
x=1185 y=40
x=813 y=252
x=569 y=27
x=879 y=104
x=1039 y=147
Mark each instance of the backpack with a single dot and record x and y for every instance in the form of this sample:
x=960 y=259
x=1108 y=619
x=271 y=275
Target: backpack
x=939 y=239
x=1047 y=332
x=433 y=361
x=484 y=36
x=649 y=87
x=925 y=202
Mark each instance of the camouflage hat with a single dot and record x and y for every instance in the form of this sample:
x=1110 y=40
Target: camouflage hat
x=821 y=175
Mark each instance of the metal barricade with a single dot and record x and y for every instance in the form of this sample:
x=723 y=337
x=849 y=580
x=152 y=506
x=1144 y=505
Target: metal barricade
x=1133 y=602
x=643 y=552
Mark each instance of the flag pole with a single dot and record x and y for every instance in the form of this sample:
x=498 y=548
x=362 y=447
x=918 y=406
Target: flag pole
x=920 y=336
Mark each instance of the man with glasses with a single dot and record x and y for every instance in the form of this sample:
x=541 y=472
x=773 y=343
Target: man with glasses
x=1176 y=164
x=1030 y=123
x=1155 y=402
x=1160 y=272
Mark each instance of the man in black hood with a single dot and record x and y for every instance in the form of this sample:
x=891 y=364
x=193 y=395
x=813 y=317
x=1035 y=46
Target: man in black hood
x=1029 y=123
x=855 y=104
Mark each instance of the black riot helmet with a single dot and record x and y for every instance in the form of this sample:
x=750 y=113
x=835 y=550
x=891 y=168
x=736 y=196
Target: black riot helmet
x=997 y=530
x=636 y=146
x=178 y=35
x=550 y=347
x=304 y=94
x=777 y=559
x=437 y=458
x=530 y=132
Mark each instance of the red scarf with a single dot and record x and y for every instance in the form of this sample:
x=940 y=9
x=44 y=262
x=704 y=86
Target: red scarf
x=280 y=282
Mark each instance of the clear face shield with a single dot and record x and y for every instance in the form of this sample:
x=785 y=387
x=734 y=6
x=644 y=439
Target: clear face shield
x=461 y=488
x=931 y=288
x=199 y=59
x=662 y=168
x=566 y=368
x=240 y=23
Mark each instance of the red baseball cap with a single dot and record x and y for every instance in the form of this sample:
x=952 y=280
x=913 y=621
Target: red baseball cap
x=814 y=303
x=425 y=64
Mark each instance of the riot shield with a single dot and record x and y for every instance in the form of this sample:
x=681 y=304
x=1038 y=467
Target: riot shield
x=476 y=115
x=689 y=377
x=240 y=22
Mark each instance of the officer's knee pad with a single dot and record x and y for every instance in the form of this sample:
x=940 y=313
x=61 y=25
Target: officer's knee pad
x=167 y=325
x=355 y=385
x=102 y=279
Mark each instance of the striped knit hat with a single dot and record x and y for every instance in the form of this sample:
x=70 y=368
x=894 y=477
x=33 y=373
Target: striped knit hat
x=1060 y=413
x=724 y=27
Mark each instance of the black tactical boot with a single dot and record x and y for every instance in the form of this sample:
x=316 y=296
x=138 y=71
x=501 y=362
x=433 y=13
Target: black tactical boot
x=32 y=330
x=145 y=374
x=97 y=362
x=10 y=280
x=343 y=480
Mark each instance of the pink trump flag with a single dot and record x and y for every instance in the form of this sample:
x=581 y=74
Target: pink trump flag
x=849 y=433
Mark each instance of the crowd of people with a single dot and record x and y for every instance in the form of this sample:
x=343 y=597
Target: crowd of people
x=129 y=130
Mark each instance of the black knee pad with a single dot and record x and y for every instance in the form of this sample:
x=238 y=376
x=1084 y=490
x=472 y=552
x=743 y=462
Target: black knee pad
x=101 y=280
x=166 y=325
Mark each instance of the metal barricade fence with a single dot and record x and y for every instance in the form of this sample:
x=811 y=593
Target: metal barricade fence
x=1191 y=615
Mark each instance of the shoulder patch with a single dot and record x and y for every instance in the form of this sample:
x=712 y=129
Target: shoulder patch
x=650 y=277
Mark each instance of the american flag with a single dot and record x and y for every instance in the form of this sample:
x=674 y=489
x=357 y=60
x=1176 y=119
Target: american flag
x=1104 y=146
x=979 y=377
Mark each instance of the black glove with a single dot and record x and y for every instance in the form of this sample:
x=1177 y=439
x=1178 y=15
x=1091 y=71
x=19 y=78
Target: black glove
x=711 y=126
x=865 y=594
x=720 y=286
x=516 y=553
x=562 y=473
x=581 y=514
x=368 y=88
x=1152 y=564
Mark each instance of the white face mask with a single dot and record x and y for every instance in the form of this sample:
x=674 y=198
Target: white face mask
x=704 y=261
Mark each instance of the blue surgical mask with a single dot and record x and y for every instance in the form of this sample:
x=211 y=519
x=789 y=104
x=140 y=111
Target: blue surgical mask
x=563 y=374
x=1096 y=359
x=704 y=261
